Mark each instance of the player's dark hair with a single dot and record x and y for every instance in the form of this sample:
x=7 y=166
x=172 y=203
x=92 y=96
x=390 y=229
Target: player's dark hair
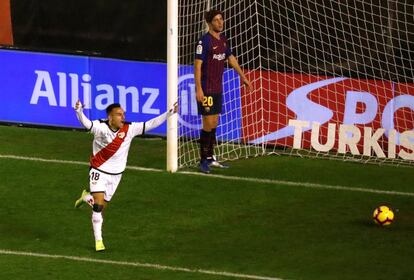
x=111 y=107
x=209 y=15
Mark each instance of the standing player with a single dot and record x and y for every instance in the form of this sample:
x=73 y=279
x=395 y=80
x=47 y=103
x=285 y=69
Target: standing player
x=112 y=139
x=211 y=53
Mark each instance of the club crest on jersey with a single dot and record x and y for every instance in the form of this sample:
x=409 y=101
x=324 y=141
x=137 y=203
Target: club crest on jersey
x=121 y=135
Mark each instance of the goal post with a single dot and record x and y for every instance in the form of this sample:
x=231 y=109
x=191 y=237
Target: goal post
x=331 y=79
x=172 y=82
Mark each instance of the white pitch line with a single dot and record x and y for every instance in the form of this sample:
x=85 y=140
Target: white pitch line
x=233 y=178
x=43 y=159
x=72 y=162
x=138 y=264
x=299 y=184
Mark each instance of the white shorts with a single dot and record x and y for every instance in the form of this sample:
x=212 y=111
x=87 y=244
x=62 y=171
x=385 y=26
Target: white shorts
x=103 y=182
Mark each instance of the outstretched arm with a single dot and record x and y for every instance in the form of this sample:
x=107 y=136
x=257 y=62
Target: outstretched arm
x=81 y=116
x=139 y=128
x=233 y=63
x=155 y=122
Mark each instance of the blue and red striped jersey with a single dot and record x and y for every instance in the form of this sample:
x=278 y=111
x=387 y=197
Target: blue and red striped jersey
x=213 y=52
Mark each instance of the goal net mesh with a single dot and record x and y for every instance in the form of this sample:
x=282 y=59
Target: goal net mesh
x=330 y=79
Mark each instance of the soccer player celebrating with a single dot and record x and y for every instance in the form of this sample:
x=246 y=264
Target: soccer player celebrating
x=211 y=53
x=111 y=143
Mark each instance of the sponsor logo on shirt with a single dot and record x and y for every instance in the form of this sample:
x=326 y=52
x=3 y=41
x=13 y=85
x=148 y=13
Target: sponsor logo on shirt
x=219 y=56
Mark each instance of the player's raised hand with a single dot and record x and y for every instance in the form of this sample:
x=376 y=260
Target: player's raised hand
x=174 y=109
x=78 y=105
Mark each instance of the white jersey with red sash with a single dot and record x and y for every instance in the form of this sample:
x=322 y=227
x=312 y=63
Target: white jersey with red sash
x=110 y=148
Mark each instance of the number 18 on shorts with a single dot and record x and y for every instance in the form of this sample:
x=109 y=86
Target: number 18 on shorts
x=103 y=182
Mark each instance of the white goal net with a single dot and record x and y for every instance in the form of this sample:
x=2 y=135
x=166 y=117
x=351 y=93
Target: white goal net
x=330 y=78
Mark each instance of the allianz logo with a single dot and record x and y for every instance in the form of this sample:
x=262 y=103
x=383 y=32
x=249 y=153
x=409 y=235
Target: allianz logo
x=64 y=89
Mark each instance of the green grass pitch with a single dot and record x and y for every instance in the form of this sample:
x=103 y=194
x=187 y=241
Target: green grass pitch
x=186 y=226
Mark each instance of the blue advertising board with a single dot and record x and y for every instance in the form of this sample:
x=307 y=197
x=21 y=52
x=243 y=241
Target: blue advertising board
x=42 y=89
x=39 y=88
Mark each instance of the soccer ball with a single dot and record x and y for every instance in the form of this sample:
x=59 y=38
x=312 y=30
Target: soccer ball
x=383 y=216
